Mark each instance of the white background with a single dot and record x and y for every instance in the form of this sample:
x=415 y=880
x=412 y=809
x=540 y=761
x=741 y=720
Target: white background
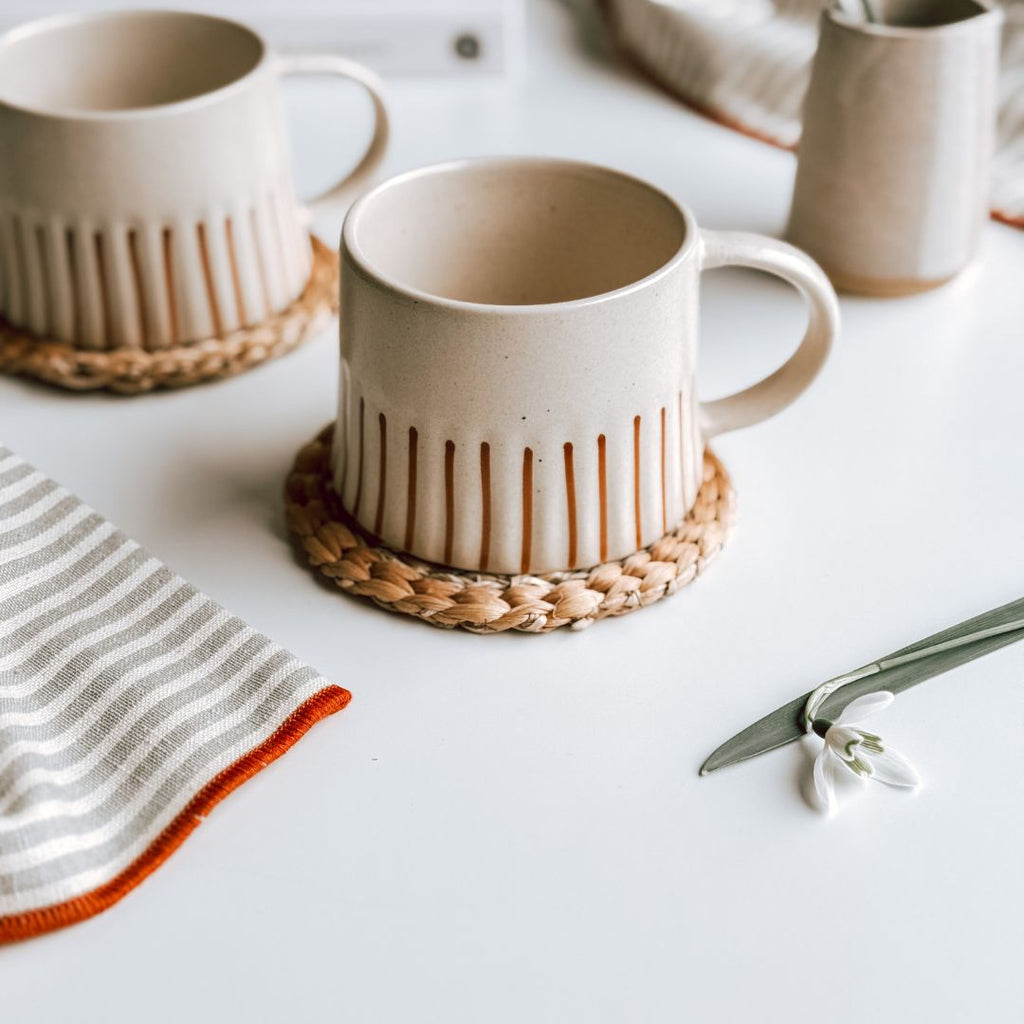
x=512 y=829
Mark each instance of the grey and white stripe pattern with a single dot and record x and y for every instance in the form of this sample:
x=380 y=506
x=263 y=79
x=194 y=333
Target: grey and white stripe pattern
x=748 y=61
x=123 y=692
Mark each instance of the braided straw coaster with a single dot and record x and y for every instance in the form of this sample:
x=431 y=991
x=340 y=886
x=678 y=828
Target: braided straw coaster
x=130 y=371
x=339 y=550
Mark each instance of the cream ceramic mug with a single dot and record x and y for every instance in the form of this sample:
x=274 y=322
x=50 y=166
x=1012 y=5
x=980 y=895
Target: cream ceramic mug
x=146 y=195
x=519 y=353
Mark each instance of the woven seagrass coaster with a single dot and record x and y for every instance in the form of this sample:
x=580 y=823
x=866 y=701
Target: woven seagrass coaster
x=132 y=371
x=339 y=550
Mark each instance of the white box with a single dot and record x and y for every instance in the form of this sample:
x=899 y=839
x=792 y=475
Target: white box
x=457 y=37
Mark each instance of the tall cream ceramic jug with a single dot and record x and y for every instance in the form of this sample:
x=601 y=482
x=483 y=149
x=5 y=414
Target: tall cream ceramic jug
x=892 y=182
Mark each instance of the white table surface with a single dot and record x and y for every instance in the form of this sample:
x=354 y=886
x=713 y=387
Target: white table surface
x=512 y=829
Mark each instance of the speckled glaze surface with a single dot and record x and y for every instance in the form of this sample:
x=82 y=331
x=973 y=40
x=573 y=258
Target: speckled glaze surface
x=146 y=195
x=894 y=165
x=519 y=352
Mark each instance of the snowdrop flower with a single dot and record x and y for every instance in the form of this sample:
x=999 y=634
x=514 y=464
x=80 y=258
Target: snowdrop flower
x=860 y=752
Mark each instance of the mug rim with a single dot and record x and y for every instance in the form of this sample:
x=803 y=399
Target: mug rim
x=986 y=12
x=57 y=21
x=359 y=261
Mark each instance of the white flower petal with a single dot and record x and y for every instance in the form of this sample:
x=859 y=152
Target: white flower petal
x=869 y=704
x=824 y=780
x=842 y=741
x=892 y=768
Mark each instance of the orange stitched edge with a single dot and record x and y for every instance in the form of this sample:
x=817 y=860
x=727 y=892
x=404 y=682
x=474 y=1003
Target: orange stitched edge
x=47 y=919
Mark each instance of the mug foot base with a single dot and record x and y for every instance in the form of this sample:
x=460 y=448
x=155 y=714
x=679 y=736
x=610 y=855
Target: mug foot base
x=883 y=287
x=340 y=553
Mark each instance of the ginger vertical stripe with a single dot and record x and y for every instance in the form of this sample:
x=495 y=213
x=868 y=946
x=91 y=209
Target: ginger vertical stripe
x=103 y=276
x=449 y=499
x=410 y=498
x=602 y=495
x=382 y=476
x=49 y=301
x=236 y=278
x=77 y=315
x=172 y=295
x=527 y=546
x=146 y=328
x=637 y=504
x=664 y=492
x=359 y=470
x=570 y=501
x=211 y=289
x=485 y=494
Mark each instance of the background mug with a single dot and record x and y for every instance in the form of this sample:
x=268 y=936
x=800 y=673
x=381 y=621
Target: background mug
x=519 y=352
x=146 y=196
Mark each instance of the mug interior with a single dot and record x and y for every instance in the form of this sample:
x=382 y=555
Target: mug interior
x=515 y=232
x=122 y=61
x=926 y=13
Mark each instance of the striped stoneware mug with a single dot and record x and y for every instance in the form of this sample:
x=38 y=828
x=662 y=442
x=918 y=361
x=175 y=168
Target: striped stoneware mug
x=519 y=352
x=146 y=196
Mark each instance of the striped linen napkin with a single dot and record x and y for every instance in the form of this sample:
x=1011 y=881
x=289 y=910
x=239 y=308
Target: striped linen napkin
x=130 y=704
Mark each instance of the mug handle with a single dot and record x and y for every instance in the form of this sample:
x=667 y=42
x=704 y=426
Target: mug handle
x=329 y=64
x=776 y=391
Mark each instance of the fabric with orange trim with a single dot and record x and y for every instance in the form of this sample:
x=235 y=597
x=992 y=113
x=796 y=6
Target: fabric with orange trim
x=130 y=704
